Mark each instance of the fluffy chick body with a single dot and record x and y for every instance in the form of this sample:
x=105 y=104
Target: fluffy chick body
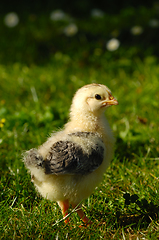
x=85 y=117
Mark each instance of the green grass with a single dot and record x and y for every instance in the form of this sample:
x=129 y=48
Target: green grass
x=35 y=100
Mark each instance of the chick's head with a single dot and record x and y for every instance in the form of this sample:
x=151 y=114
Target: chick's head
x=92 y=99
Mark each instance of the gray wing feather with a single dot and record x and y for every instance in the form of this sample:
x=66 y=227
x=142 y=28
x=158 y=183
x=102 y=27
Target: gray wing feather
x=66 y=157
x=33 y=159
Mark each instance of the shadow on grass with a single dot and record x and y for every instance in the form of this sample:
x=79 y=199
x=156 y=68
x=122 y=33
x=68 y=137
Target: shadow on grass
x=140 y=213
x=146 y=211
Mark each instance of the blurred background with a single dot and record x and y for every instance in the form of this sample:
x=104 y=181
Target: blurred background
x=34 y=31
x=49 y=49
x=79 y=8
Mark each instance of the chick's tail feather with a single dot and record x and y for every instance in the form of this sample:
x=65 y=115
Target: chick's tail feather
x=33 y=159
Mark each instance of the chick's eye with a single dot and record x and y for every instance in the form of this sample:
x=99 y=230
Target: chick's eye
x=98 y=97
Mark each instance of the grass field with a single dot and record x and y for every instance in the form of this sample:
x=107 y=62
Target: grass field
x=35 y=100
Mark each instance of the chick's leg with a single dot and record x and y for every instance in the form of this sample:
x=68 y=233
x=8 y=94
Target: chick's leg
x=64 y=205
x=81 y=214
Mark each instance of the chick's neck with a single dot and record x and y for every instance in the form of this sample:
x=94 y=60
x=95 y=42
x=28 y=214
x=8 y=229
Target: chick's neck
x=87 y=122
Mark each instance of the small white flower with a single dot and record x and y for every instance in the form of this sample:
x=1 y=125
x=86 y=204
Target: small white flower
x=136 y=30
x=97 y=13
x=154 y=23
x=58 y=15
x=70 y=30
x=11 y=19
x=113 y=44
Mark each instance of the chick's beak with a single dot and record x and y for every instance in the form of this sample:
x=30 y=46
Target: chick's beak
x=111 y=101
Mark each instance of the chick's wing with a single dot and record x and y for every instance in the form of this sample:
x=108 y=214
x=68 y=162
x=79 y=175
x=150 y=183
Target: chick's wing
x=67 y=157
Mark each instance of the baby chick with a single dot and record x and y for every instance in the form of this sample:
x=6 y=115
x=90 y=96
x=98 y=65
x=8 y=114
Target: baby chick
x=71 y=163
